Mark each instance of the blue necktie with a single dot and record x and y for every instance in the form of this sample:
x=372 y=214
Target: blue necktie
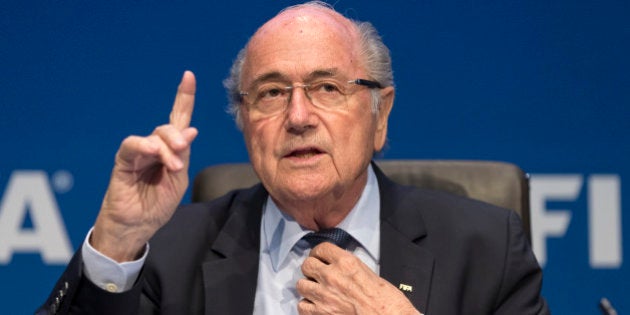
x=336 y=236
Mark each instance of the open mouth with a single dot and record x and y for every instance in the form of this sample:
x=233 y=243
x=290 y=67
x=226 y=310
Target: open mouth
x=304 y=153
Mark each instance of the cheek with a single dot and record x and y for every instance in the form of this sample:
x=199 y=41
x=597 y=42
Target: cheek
x=360 y=146
x=260 y=139
x=359 y=135
x=353 y=142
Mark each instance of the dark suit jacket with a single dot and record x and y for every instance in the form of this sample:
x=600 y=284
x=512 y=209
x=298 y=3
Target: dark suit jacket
x=458 y=256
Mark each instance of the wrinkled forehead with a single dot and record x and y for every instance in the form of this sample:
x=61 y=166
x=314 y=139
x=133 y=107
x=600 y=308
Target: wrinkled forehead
x=306 y=38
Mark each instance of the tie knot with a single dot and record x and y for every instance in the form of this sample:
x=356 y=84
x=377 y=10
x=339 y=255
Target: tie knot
x=336 y=236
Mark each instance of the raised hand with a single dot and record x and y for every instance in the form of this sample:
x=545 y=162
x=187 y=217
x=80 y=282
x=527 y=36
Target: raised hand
x=149 y=179
x=337 y=282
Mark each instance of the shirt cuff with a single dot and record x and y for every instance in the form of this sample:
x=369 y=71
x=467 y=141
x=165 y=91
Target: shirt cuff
x=108 y=274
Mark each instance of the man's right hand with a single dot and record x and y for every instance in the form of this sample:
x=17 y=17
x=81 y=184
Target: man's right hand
x=149 y=179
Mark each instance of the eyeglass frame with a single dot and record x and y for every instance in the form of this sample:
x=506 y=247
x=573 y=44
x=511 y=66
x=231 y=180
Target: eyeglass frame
x=370 y=84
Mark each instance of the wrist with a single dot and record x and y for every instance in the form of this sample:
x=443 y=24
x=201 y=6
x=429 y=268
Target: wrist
x=119 y=244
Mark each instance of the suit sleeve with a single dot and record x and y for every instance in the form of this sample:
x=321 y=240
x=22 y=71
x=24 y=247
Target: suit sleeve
x=522 y=276
x=75 y=294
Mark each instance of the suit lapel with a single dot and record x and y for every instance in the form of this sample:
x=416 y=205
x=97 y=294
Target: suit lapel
x=406 y=266
x=403 y=263
x=230 y=270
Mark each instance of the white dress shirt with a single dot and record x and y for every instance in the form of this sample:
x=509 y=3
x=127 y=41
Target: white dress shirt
x=282 y=249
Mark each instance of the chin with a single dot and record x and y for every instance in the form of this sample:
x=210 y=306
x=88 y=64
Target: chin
x=305 y=190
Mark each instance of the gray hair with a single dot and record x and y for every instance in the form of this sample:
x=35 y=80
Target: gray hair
x=378 y=63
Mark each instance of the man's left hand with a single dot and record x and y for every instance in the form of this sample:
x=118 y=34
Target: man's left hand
x=337 y=282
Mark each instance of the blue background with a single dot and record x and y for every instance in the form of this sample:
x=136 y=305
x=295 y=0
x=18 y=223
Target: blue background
x=542 y=84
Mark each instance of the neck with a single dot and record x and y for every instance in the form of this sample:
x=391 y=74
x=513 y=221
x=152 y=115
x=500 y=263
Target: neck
x=327 y=211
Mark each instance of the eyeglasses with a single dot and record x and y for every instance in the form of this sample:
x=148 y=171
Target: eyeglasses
x=272 y=98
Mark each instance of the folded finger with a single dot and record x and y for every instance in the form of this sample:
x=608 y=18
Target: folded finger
x=134 y=147
x=320 y=299
x=174 y=138
x=328 y=252
x=306 y=307
x=313 y=268
x=309 y=290
x=190 y=134
x=165 y=155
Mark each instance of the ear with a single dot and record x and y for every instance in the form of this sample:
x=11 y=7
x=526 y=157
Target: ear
x=387 y=101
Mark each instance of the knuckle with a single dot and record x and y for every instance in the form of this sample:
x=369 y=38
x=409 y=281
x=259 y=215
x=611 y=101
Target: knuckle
x=324 y=249
x=347 y=261
x=330 y=278
x=327 y=246
x=162 y=129
x=158 y=129
x=315 y=250
x=308 y=264
x=304 y=307
x=301 y=285
x=305 y=268
x=128 y=141
x=131 y=139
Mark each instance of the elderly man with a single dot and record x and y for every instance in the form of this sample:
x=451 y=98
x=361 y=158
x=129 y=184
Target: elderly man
x=312 y=92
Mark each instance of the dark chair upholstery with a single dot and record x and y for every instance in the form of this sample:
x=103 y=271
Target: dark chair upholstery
x=497 y=183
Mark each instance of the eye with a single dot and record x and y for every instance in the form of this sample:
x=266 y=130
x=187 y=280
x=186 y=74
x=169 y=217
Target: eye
x=272 y=92
x=326 y=87
x=330 y=87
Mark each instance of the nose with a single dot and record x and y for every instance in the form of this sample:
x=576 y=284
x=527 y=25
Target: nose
x=300 y=111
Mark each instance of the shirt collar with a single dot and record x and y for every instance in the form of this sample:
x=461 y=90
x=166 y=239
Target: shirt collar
x=281 y=232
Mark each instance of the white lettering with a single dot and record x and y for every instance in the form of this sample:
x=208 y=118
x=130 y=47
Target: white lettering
x=29 y=192
x=550 y=223
x=604 y=212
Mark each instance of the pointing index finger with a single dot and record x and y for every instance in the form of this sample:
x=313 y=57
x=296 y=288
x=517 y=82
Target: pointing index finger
x=184 y=102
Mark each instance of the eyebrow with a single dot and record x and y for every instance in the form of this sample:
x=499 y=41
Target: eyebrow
x=321 y=73
x=269 y=76
x=277 y=76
